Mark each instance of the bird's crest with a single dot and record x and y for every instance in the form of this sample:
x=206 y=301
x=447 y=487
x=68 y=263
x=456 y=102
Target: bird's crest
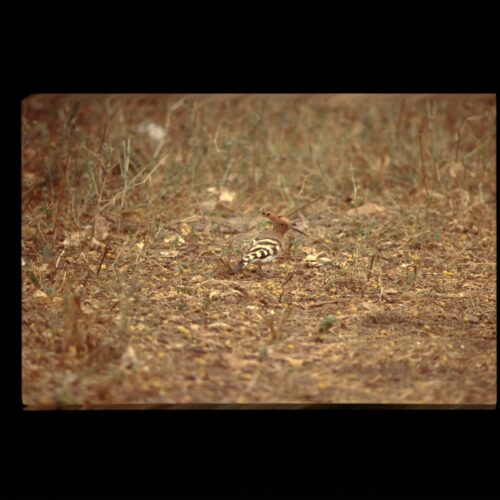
x=282 y=222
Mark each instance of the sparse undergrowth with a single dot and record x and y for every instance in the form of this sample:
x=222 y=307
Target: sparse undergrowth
x=134 y=208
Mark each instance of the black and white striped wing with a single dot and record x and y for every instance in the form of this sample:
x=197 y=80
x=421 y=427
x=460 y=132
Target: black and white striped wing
x=262 y=251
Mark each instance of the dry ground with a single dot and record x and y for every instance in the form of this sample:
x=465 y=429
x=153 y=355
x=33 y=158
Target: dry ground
x=134 y=207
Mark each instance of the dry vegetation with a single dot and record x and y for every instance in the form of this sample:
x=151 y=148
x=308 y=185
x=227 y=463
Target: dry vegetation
x=134 y=206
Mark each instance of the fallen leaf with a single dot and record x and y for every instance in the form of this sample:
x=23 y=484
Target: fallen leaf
x=169 y=253
x=472 y=319
x=295 y=363
x=219 y=325
x=227 y=196
x=317 y=260
x=176 y=239
x=96 y=244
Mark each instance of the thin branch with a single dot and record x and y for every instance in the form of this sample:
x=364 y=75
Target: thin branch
x=106 y=248
x=284 y=284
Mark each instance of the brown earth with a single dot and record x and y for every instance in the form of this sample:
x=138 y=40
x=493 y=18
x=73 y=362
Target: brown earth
x=134 y=208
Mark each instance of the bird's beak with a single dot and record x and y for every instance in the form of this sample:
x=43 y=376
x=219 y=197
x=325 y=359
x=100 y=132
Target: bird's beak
x=298 y=230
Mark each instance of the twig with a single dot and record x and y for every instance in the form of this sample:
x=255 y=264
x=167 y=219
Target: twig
x=126 y=164
x=59 y=258
x=217 y=135
x=321 y=304
x=177 y=104
x=226 y=173
x=370 y=267
x=354 y=187
x=283 y=286
x=380 y=286
x=102 y=259
x=303 y=185
x=240 y=289
x=284 y=316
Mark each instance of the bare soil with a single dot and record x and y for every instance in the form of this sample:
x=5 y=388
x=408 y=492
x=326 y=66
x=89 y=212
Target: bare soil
x=129 y=231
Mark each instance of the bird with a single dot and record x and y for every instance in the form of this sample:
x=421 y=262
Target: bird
x=267 y=246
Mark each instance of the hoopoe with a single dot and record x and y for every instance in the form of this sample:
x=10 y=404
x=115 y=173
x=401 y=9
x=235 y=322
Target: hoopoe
x=266 y=247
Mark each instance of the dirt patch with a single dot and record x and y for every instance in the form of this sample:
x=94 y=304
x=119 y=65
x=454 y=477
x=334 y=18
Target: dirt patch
x=135 y=207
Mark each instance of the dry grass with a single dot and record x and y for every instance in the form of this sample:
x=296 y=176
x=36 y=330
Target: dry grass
x=134 y=208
